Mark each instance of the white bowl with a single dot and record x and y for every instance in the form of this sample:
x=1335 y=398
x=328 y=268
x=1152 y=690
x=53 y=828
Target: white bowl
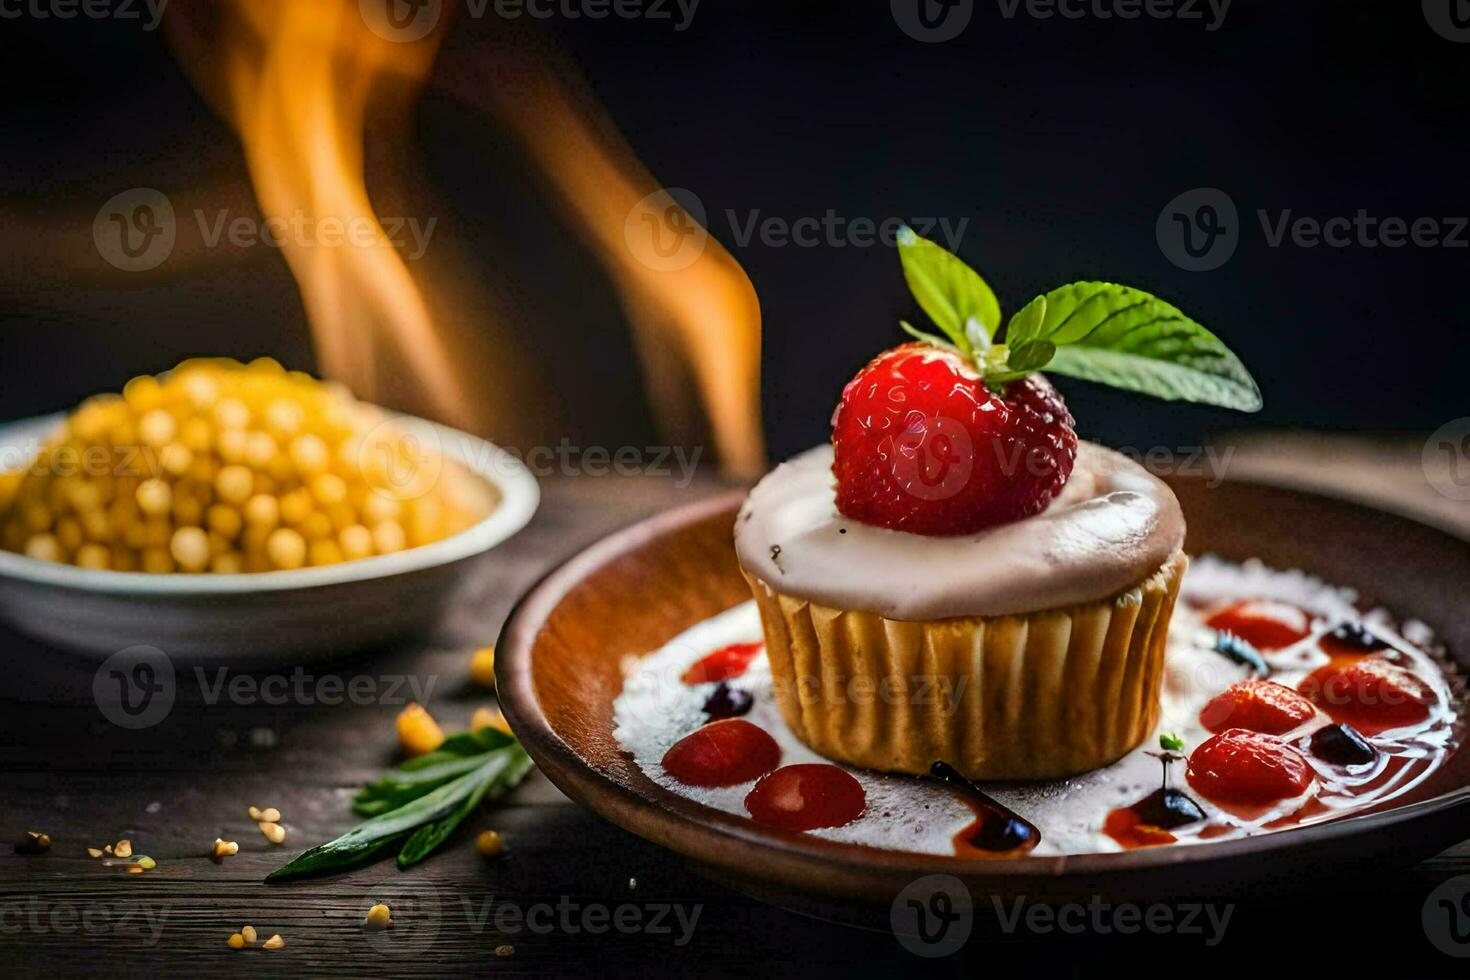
x=264 y=617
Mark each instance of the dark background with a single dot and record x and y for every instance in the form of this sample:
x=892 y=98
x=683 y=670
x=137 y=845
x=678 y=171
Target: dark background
x=1060 y=141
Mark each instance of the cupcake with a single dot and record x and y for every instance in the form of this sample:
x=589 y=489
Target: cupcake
x=957 y=577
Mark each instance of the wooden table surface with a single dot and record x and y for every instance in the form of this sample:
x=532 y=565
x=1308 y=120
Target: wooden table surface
x=173 y=788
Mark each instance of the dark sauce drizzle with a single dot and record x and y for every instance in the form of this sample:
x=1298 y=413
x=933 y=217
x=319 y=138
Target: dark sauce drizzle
x=997 y=831
x=727 y=702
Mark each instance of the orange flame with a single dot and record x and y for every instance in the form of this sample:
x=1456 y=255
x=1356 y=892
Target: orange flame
x=296 y=78
x=692 y=307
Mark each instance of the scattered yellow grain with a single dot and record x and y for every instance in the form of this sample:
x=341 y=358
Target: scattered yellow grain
x=274 y=942
x=378 y=917
x=482 y=667
x=418 y=732
x=489 y=718
x=490 y=844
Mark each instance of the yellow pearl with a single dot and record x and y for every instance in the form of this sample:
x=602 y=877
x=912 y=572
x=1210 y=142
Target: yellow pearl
x=286 y=548
x=234 y=484
x=155 y=497
x=190 y=548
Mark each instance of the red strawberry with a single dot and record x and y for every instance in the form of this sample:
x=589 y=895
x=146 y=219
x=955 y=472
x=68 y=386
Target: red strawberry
x=1260 y=706
x=923 y=445
x=1372 y=695
x=723 y=664
x=807 y=796
x=722 y=753
x=1238 y=766
x=1263 y=623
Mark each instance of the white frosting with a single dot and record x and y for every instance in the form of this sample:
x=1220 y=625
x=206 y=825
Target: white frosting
x=1112 y=525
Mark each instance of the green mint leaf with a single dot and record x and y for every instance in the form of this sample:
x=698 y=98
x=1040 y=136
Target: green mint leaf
x=1171 y=743
x=399 y=786
x=1126 y=338
x=947 y=289
x=1026 y=323
x=1031 y=355
x=366 y=840
x=918 y=334
x=493 y=773
x=503 y=772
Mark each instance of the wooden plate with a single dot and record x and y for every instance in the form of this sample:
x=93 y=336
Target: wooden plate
x=559 y=667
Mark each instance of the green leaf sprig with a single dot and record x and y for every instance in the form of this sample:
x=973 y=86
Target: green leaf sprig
x=419 y=804
x=1097 y=331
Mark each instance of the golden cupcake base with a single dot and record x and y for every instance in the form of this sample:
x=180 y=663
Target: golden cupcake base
x=1034 y=696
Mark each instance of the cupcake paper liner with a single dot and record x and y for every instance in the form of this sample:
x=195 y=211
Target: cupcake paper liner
x=1033 y=696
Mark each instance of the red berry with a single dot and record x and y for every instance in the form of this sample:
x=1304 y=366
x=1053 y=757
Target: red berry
x=1372 y=695
x=922 y=445
x=723 y=664
x=1263 y=623
x=1260 y=706
x=722 y=753
x=1238 y=766
x=807 y=796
